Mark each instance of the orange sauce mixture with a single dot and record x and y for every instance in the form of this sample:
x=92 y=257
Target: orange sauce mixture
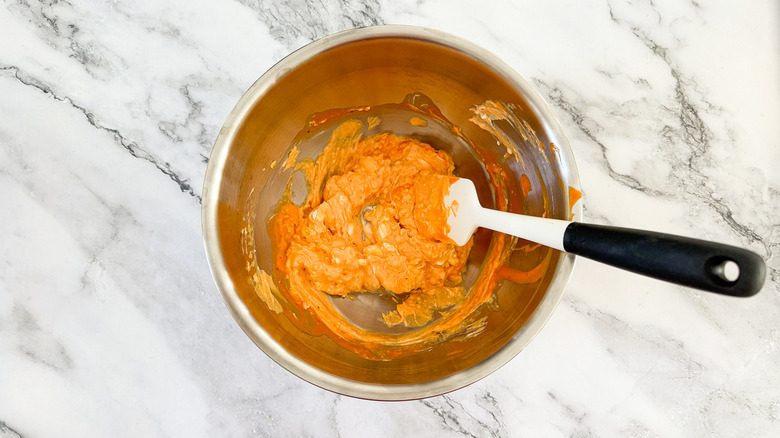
x=374 y=218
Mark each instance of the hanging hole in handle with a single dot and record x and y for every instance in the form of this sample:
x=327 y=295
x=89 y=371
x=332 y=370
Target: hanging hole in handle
x=723 y=269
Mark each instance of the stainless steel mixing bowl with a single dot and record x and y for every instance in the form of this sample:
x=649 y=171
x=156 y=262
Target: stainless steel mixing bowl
x=374 y=66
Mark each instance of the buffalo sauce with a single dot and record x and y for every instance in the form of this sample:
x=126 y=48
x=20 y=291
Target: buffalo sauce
x=374 y=218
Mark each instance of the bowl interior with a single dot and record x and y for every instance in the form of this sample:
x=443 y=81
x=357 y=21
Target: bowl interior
x=372 y=71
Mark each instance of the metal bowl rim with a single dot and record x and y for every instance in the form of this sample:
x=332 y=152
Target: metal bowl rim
x=239 y=311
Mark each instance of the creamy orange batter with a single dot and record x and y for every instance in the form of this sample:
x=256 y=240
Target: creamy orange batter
x=374 y=218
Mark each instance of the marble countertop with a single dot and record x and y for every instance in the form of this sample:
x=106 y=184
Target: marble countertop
x=110 y=322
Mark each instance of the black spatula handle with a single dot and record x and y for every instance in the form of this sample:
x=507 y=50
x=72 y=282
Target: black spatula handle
x=689 y=262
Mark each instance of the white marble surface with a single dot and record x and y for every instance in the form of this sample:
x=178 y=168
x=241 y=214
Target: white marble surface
x=110 y=324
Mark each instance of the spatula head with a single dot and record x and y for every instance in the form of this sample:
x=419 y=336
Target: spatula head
x=462 y=205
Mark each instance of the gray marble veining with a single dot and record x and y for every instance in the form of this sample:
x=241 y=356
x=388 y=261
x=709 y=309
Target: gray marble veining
x=110 y=323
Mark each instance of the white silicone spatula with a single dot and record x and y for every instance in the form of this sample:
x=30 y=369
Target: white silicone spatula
x=701 y=264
